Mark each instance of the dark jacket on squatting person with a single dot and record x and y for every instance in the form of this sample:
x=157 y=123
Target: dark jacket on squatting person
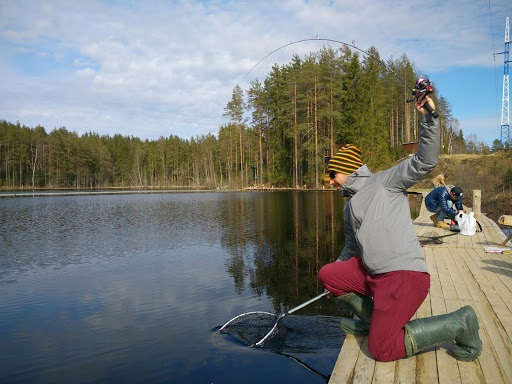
x=439 y=197
x=377 y=218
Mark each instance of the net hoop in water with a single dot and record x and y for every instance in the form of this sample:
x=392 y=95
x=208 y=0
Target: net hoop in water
x=260 y=343
x=245 y=314
x=279 y=318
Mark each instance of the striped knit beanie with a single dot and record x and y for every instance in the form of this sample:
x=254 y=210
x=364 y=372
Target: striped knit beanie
x=347 y=160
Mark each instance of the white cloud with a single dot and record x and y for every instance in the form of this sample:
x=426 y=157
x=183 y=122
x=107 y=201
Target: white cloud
x=156 y=64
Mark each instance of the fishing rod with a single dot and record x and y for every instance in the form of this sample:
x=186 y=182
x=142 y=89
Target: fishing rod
x=418 y=93
x=302 y=41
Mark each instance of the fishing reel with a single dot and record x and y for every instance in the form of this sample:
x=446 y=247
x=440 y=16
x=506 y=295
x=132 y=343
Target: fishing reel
x=422 y=88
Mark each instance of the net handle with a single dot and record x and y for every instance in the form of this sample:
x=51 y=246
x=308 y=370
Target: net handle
x=307 y=303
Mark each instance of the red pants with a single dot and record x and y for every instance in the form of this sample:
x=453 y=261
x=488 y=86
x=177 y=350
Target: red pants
x=396 y=297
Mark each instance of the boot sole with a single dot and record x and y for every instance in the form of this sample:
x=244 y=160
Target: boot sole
x=472 y=349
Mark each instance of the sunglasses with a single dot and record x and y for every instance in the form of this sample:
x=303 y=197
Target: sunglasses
x=332 y=175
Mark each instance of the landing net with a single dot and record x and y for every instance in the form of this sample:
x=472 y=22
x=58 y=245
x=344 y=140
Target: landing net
x=252 y=327
x=260 y=320
x=311 y=341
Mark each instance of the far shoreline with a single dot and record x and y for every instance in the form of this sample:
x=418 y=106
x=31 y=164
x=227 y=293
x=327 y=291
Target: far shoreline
x=42 y=192
x=53 y=192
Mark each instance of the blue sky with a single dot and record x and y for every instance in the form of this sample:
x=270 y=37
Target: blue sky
x=156 y=68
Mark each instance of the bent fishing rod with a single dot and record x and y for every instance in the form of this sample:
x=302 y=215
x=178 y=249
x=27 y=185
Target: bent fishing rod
x=418 y=94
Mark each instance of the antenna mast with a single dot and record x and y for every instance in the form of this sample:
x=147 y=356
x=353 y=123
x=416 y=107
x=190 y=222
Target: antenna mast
x=505 y=99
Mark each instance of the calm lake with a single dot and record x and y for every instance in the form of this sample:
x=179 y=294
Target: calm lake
x=131 y=288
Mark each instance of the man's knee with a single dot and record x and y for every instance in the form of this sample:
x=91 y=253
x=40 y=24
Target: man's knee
x=325 y=272
x=389 y=350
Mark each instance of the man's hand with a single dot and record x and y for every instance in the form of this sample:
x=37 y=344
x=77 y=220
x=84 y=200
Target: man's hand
x=420 y=102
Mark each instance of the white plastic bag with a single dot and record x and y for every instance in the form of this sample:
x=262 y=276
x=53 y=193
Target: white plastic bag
x=467 y=223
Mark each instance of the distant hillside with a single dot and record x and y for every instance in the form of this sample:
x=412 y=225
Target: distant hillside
x=491 y=173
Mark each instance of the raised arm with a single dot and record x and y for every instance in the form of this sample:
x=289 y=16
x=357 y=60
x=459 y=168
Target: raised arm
x=409 y=171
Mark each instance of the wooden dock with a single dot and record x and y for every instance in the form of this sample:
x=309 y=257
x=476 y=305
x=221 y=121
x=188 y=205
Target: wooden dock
x=461 y=273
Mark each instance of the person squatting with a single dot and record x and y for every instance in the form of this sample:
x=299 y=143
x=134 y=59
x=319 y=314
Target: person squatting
x=445 y=202
x=381 y=273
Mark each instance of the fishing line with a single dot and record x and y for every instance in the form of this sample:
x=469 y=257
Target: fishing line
x=302 y=41
x=399 y=77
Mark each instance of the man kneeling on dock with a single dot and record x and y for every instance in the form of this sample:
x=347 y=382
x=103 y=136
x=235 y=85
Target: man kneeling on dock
x=381 y=273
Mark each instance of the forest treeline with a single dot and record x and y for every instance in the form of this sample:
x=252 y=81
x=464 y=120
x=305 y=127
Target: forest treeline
x=279 y=133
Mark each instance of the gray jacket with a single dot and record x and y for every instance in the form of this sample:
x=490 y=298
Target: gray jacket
x=377 y=219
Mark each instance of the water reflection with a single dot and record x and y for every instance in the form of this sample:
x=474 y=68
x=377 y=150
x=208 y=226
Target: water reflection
x=128 y=288
x=277 y=242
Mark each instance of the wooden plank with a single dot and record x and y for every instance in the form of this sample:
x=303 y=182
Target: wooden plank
x=487 y=230
x=448 y=369
x=488 y=359
x=457 y=275
x=426 y=368
x=500 y=268
x=426 y=363
x=504 y=262
x=422 y=227
x=449 y=291
x=429 y=259
x=456 y=241
x=363 y=372
x=497 y=290
x=484 y=235
x=470 y=372
x=384 y=372
x=499 y=348
x=479 y=240
x=406 y=371
x=344 y=368
x=497 y=293
x=476 y=239
x=466 y=240
x=491 y=231
x=496 y=270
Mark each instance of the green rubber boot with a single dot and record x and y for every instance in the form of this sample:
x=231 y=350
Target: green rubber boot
x=460 y=327
x=354 y=326
x=362 y=306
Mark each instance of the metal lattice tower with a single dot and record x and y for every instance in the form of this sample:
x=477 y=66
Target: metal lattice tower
x=505 y=99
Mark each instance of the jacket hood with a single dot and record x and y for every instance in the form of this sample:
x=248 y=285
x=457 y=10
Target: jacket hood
x=356 y=181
